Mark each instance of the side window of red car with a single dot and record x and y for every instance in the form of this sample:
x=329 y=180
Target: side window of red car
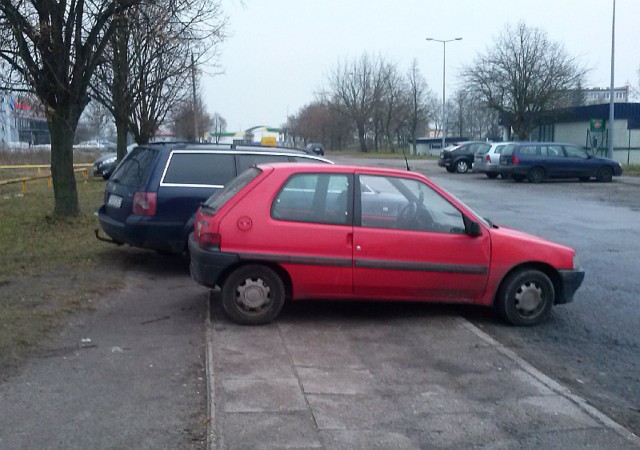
x=406 y=204
x=317 y=198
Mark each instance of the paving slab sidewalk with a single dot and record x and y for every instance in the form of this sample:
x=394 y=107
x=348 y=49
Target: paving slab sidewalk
x=343 y=377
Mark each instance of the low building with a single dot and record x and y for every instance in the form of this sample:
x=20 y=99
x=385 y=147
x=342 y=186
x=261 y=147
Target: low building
x=597 y=96
x=20 y=123
x=588 y=127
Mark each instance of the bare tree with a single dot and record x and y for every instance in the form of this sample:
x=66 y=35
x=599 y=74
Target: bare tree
x=390 y=113
x=219 y=125
x=421 y=102
x=53 y=48
x=471 y=117
x=152 y=60
x=97 y=118
x=184 y=116
x=355 y=90
x=523 y=74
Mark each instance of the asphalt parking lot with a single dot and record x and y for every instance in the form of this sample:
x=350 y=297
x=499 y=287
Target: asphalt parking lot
x=162 y=370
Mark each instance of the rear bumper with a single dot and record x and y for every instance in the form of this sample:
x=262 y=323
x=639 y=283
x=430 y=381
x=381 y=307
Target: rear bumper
x=486 y=168
x=139 y=231
x=208 y=266
x=571 y=281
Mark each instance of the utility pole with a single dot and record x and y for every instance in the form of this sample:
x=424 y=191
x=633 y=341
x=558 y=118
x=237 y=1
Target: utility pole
x=196 y=112
x=611 y=87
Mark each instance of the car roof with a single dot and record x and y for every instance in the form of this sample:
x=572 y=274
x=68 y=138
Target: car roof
x=232 y=148
x=337 y=168
x=168 y=147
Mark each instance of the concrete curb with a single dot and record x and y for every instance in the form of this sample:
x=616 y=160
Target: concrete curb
x=212 y=441
x=553 y=385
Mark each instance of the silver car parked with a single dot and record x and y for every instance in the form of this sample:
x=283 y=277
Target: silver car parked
x=487 y=161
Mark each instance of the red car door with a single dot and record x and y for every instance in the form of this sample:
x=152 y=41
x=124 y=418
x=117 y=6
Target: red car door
x=409 y=243
x=310 y=234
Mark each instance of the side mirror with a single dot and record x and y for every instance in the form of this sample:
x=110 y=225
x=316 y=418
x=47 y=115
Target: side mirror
x=472 y=228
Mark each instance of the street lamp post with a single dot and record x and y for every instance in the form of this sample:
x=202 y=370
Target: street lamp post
x=444 y=71
x=611 y=87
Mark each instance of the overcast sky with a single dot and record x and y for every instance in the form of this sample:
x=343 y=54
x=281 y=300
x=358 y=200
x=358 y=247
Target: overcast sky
x=280 y=52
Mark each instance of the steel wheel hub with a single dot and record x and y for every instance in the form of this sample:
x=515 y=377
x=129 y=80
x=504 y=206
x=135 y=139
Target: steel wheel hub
x=529 y=298
x=253 y=294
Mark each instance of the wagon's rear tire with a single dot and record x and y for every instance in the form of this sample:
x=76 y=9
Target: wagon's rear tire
x=536 y=175
x=525 y=297
x=253 y=295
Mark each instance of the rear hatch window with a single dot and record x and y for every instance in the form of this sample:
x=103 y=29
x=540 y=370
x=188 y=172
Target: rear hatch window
x=135 y=167
x=217 y=200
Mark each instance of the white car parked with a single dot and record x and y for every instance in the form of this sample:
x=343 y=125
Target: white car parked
x=488 y=161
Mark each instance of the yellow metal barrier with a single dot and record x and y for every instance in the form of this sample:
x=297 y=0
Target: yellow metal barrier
x=23 y=180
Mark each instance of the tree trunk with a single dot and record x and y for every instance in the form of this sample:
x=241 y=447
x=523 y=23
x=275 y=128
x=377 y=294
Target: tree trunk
x=121 y=99
x=62 y=129
x=362 y=138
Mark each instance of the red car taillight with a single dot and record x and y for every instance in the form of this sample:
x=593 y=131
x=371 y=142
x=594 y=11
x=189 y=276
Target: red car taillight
x=144 y=203
x=514 y=160
x=209 y=240
x=204 y=238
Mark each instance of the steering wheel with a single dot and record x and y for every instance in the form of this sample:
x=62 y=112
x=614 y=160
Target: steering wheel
x=407 y=216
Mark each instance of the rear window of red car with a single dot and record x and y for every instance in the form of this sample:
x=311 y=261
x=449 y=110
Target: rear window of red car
x=217 y=200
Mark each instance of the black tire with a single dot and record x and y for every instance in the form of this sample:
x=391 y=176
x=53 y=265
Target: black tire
x=492 y=175
x=450 y=169
x=604 y=175
x=462 y=166
x=253 y=295
x=536 y=175
x=525 y=297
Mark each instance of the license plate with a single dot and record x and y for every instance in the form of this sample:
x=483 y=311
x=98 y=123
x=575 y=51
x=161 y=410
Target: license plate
x=115 y=201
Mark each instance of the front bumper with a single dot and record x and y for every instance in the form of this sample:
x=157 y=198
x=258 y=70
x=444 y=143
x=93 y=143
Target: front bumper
x=208 y=266
x=571 y=281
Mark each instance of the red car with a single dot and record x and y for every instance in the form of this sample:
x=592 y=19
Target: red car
x=299 y=231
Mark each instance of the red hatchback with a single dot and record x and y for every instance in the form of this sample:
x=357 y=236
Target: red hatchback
x=295 y=231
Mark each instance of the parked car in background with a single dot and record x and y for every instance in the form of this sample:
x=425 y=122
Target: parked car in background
x=487 y=160
x=101 y=145
x=299 y=231
x=106 y=164
x=459 y=158
x=538 y=161
x=315 y=149
x=151 y=198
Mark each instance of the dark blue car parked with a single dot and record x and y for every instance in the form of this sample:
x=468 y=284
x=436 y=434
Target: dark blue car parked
x=537 y=161
x=152 y=197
